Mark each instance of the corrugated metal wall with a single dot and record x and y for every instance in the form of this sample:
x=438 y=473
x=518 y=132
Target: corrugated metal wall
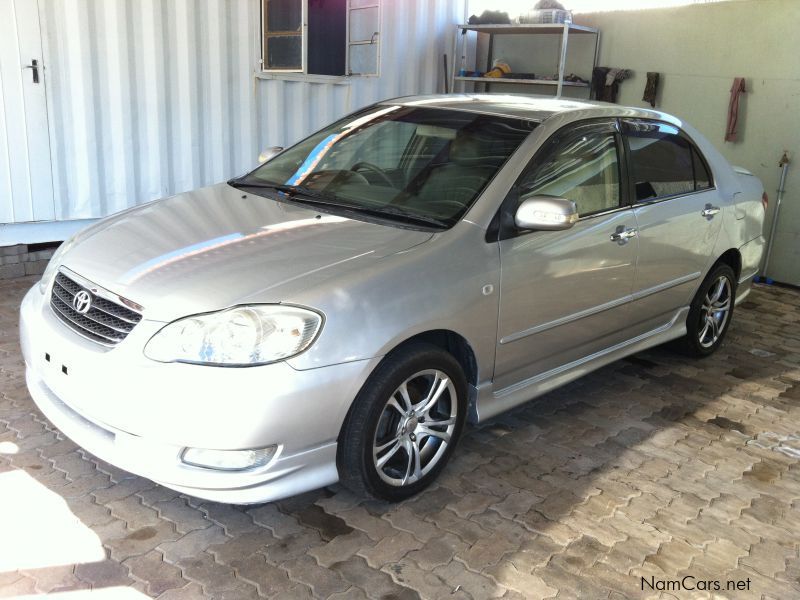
x=148 y=98
x=414 y=36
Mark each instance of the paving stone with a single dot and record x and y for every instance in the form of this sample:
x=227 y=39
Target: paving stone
x=438 y=551
x=88 y=511
x=534 y=552
x=569 y=584
x=51 y=578
x=233 y=519
x=241 y=546
x=191 y=591
x=123 y=489
x=471 y=504
x=211 y=575
x=768 y=558
x=390 y=549
x=132 y=511
x=269 y=580
x=404 y=519
x=141 y=541
x=322 y=581
x=378 y=584
x=527 y=584
x=157 y=575
x=82 y=485
x=458 y=577
x=340 y=548
x=269 y=516
x=22 y=586
x=192 y=543
x=281 y=550
x=654 y=466
x=375 y=527
x=425 y=583
x=469 y=531
x=517 y=503
x=297 y=592
x=185 y=517
x=102 y=574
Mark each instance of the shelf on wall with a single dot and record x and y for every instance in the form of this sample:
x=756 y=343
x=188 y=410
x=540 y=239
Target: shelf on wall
x=524 y=81
x=529 y=28
x=532 y=29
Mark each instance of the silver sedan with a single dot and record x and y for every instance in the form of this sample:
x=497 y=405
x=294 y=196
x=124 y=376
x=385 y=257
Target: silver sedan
x=342 y=311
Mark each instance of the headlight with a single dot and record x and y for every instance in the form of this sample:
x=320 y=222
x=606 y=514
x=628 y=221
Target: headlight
x=240 y=336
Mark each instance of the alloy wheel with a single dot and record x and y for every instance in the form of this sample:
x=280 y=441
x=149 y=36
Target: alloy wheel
x=714 y=312
x=415 y=428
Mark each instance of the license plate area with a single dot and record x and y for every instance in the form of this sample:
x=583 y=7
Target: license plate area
x=54 y=364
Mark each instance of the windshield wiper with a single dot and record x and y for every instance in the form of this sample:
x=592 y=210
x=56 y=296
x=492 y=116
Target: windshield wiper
x=409 y=216
x=309 y=196
x=279 y=187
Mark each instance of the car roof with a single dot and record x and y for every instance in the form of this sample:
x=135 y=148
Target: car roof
x=533 y=107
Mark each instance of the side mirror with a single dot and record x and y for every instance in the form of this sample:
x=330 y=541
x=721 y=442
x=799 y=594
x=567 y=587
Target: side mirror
x=546 y=212
x=268 y=153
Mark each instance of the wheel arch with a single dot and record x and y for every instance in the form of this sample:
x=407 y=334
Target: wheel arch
x=451 y=342
x=733 y=258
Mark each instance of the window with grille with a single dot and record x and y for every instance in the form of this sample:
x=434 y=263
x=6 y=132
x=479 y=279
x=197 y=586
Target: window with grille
x=321 y=37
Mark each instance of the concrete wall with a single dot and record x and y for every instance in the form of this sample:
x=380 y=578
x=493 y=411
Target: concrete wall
x=699 y=50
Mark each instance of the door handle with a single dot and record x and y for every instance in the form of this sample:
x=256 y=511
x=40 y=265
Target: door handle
x=623 y=234
x=709 y=211
x=34 y=66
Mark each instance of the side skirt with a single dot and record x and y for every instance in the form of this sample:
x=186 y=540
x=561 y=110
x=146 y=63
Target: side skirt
x=489 y=403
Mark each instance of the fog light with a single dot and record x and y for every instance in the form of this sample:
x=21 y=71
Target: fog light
x=228 y=460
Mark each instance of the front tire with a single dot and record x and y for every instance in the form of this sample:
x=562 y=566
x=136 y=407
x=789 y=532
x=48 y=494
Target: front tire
x=710 y=313
x=404 y=424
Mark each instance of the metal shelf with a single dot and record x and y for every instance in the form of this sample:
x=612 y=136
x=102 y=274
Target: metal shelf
x=562 y=29
x=532 y=28
x=523 y=81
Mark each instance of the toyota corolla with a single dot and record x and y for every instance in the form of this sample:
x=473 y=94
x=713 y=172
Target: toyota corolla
x=341 y=312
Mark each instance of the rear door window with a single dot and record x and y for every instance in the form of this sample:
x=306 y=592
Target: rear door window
x=663 y=162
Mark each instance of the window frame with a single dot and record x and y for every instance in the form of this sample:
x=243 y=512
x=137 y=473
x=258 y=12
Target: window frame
x=303 y=35
x=375 y=39
x=302 y=74
x=693 y=148
x=502 y=226
x=593 y=129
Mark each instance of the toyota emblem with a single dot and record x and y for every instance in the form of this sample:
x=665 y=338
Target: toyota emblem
x=82 y=302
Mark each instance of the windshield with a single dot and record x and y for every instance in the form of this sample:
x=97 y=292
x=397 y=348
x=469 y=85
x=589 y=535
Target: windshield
x=402 y=163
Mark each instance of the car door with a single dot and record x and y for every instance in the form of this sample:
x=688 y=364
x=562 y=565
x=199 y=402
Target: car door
x=563 y=294
x=678 y=217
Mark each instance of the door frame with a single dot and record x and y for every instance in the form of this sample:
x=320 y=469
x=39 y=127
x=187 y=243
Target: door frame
x=39 y=203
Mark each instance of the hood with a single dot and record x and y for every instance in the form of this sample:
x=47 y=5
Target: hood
x=218 y=246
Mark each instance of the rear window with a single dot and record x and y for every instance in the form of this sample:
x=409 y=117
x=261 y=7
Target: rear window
x=663 y=162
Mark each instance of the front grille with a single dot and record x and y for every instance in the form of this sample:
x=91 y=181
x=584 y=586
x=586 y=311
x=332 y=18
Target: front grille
x=106 y=322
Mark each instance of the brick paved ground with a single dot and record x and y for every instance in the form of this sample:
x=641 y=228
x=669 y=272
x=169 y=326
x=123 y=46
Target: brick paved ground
x=655 y=466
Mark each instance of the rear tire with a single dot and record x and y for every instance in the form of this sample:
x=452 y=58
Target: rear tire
x=404 y=424
x=710 y=313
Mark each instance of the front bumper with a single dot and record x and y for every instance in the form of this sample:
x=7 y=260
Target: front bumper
x=139 y=415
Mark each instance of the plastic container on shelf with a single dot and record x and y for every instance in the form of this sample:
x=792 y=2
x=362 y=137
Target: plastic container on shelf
x=545 y=15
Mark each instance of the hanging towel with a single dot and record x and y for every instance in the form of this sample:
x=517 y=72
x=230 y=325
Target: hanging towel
x=598 y=82
x=733 y=109
x=613 y=78
x=651 y=88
